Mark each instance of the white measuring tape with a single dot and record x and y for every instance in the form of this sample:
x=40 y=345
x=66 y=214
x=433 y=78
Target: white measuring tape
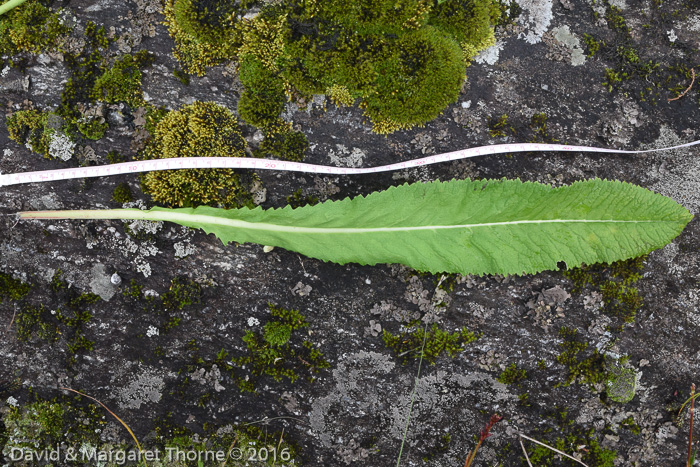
x=267 y=164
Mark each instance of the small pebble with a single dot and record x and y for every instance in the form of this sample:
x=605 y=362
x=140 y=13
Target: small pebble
x=115 y=279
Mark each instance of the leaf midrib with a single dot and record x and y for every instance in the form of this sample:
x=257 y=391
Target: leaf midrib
x=236 y=223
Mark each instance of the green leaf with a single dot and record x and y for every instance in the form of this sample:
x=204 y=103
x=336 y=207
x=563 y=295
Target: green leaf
x=468 y=227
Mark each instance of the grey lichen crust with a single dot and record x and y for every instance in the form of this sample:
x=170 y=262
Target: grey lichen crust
x=144 y=387
x=363 y=391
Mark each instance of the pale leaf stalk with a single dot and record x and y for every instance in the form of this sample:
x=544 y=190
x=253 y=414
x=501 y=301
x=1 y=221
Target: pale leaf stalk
x=5 y=7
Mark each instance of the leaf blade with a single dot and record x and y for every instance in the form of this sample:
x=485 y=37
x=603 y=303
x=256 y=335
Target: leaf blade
x=469 y=227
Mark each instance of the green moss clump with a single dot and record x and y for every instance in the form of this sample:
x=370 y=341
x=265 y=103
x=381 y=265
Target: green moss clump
x=204 y=19
x=585 y=443
x=36 y=319
x=202 y=129
x=37 y=424
x=203 y=31
x=631 y=425
x=276 y=353
x=377 y=17
x=593 y=45
x=499 y=127
x=120 y=83
x=249 y=438
x=408 y=344
x=420 y=75
x=624 y=56
x=404 y=60
x=43 y=424
x=28 y=127
x=589 y=369
x=538 y=125
x=277 y=334
x=33 y=28
x=12 y=288
x=182 y=76
x=285 y=144
x=56 y=282
x=615 y=282
x=292 y=318
x=512 y=375
x=340 y=95
x=41 y=132
x=616 y=21
x=594 y=368
x=469 y=22
x=92 y=127
x=66 y=323
x=296 y=199
x=113 y=157
x=263 y=99
x=133 y=290
x=52 y=325
x=85 y=68
x=153 y=117
x=122 y=194
x=183 y=292
x=408 y=63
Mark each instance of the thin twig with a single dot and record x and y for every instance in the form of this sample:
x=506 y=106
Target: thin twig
x=527 y=458
x=552 y=449
x=692 y=70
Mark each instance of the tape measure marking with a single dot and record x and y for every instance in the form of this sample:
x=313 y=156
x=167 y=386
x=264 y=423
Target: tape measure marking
x=269 y=164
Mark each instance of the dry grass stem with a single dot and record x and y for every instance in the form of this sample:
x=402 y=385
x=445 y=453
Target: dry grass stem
x=691 y=457
x=230 y=448
x=138 y=445
x=527 y=458
x=692 y=70
x=11 y=321
x=548 y=447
